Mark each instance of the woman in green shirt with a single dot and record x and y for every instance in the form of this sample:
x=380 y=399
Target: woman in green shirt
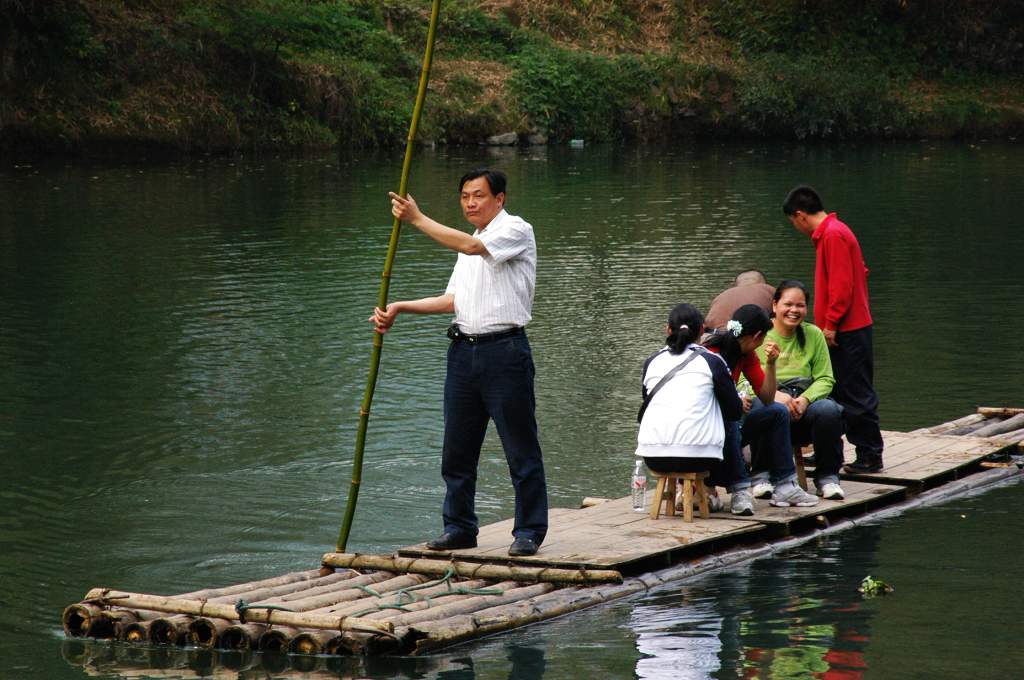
x=804 y=372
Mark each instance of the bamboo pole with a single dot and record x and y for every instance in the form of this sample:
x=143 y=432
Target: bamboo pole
x=1011 y=423
x=437 y=615
x=311 y=642
x=989 y=411
x=382 y=298
x=224 y=611
x=206 y=631
x=969 y=429
x=472 y=569
x=240 y=636
x=276 y=639
x=296 y=577
x=203 y=631
x=951 y=425
x=438 y=595
x=169 y=630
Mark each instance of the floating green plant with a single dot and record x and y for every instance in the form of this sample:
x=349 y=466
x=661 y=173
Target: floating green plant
x=870 y=587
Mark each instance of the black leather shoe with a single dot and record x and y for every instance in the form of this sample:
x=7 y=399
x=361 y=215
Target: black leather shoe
x=452 y=542
x=523 y=547
x=864 y=465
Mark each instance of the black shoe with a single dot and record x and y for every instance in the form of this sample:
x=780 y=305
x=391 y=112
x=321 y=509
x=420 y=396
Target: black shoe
x=863 y=465
x=523 y=547
x=810 y=461
x=452 y=542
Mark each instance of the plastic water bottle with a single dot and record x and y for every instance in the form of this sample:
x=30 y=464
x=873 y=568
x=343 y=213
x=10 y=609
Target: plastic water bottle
x=639 y=486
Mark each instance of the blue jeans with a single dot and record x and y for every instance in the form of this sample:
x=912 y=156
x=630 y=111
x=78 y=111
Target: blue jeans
x=766 y=429
x=492 y=381
x=822 y=426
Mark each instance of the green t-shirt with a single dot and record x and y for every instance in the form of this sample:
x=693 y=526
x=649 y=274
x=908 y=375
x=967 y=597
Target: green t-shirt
x=812 y=360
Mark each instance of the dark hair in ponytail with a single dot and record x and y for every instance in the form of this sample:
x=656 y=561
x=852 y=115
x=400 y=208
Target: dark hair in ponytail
x=684 y=324
x=788 y=284
x=753 y=319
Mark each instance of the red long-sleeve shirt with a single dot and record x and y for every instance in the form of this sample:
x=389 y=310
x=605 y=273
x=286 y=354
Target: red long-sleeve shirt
x=840 y=278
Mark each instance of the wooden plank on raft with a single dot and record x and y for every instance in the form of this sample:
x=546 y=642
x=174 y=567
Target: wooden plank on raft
x=924 y=461
x=860 y=497
x=603 y=536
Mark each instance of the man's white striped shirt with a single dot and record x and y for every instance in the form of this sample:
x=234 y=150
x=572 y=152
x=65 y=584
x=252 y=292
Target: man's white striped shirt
x=494 y=292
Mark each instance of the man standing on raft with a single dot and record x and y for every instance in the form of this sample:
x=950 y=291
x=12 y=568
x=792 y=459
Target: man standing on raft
x=490 y=365
x=841 y=311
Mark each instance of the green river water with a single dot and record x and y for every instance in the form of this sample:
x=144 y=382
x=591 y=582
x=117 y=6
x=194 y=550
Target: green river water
x=184 y=345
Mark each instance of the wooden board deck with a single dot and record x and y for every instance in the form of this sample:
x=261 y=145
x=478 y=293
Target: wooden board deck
x=926 y=461
x=612 y=536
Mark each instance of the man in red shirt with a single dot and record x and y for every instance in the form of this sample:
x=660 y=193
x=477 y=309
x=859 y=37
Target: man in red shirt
x=841 y=311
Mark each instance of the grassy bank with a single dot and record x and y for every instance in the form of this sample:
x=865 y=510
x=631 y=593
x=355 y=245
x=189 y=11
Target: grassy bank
x=230 y=74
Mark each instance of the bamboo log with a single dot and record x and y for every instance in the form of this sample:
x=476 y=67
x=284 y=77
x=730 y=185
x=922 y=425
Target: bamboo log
x=439 y=594
x=169 y=630
x=77 y=618
x=136 y=632
x=989 y=411
x=471 y=569
x=502 y=617
x=1011 y=423
x=240 y=636
x=276 y=639
x=222 y=611
x=295 y=577
x=205 y=631
x=969 y=429
x=951 y=425
x=111 y=624
x=473 y=604
x=329 y=601
x=311 y=642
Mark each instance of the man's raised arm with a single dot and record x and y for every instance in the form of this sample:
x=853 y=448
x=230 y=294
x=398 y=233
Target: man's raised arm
x=406 y=210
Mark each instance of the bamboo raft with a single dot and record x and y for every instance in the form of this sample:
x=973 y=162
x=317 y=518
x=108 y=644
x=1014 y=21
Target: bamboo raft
x=417 y=601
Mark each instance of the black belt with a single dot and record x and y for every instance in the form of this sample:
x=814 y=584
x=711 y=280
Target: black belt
x=455 y=334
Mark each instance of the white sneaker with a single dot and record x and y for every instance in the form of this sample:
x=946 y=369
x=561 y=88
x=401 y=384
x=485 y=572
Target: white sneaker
x=714 y=502
x=791 y=495
x=831 y=492
x=742 y=502
x=763 y=489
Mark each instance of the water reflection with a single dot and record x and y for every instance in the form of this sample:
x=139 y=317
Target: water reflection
x=794 y=616
x=117 y=661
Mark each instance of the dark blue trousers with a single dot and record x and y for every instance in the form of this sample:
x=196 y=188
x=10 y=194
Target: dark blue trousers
x=492 y=380
x=853 y=364
x=822 y=426
x=766 y=429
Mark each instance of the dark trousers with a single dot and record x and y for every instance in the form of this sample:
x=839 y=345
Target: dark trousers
x=853 y=365
x=822 y=426
x=669 y=464
x=492 y=381
x=766 y=429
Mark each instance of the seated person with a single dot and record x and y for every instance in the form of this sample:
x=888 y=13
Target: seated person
x=804 y=371
x=681 y=428
x=749 y=288
x=766 y=424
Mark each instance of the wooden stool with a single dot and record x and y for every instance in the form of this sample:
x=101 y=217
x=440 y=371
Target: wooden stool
x=798 y=460
x=692 y=481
